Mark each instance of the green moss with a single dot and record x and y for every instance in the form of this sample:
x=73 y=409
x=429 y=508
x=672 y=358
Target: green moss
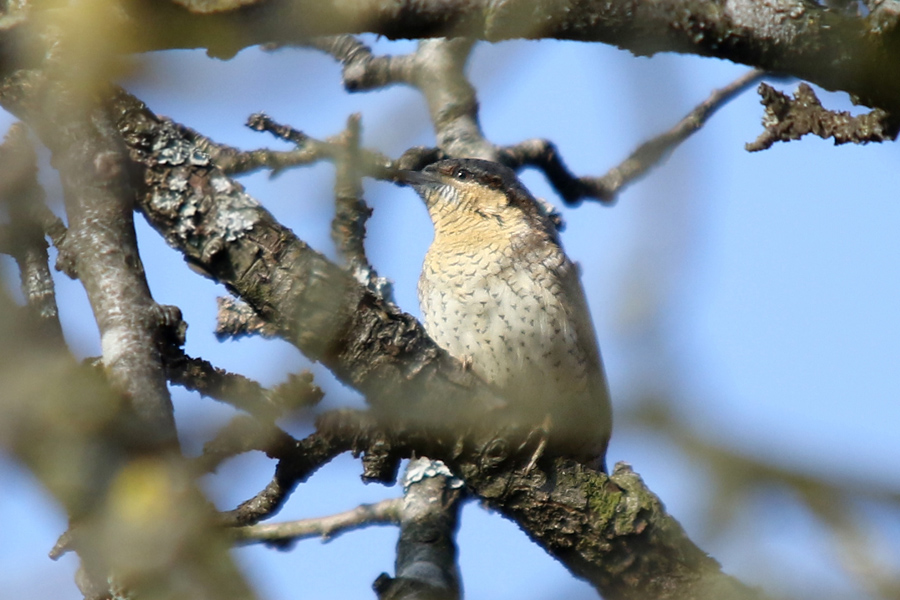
x=602 y=497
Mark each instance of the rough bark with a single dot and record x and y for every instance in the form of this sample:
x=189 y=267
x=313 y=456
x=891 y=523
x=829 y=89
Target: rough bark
x=611 y=531
x=831 y=48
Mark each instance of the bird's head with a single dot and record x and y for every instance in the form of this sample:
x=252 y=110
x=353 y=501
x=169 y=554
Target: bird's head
x=466 y=193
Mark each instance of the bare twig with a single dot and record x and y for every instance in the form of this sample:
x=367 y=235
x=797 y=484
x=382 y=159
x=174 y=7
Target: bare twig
x=544 y=155
x=241 y=392
x=297 y=461
x=284 y=534
x=24 y=236
x=309 y=149
x=348 y=228
x=652 y=152
x=235 y=161
x=437 y=69
x=245 y=434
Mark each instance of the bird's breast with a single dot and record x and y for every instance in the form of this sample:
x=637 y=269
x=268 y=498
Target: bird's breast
x=509 y=319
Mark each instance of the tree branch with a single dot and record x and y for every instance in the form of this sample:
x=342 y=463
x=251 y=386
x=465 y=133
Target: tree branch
x=834 y=49
x=23 y=237
x=312 y=302
x=792 y=118
x=348 y=228
x=544 y=155
x=283 y=535
x=93 y=166
x=426 y=564
x=611 y=531
x=63 y=421
x=241 y=392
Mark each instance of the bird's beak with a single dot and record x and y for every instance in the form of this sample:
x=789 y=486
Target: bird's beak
x=417 y=179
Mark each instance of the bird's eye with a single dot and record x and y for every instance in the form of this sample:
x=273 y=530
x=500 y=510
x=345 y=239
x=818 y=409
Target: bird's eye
x=462 y=174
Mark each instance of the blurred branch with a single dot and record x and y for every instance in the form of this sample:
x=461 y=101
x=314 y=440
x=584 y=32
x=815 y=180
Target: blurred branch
x=282 y=535
x=245 y=434
x=64 y=422
x=738 y=477
x=437 y=69
x=104 y=445
x=23 y=237
x=611 y=531
x=740 y=474
x=838 y=50
x=348 y=228
x=199 y=375
x=93 y=166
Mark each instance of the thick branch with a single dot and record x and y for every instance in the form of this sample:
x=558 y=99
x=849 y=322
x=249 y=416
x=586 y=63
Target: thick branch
x=835 y=50
x=610 y=530
x=596 y=528
x=93 y=166
x=312 y=302
x=426 y=565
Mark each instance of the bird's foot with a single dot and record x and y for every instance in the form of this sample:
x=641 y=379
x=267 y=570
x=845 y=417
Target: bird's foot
x=543 y=436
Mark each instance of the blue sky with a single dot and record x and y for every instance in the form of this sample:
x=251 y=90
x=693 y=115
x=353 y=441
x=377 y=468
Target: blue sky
x=771 y=281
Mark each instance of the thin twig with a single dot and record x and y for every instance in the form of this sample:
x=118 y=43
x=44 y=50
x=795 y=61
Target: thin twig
x=200 y=375
x=235 y=161
x=283 y=534
x=348 y=229
x=245 y=434
x=23 y=238
x=297 y=462
x=309 y=149
x=544 y=155
x=654 y=151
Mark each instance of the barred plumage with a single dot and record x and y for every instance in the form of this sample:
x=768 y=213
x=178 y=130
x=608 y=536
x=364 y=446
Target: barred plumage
x=498 y=292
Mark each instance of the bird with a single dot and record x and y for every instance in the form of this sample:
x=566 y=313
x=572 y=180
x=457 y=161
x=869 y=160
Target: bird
x=498 y=293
